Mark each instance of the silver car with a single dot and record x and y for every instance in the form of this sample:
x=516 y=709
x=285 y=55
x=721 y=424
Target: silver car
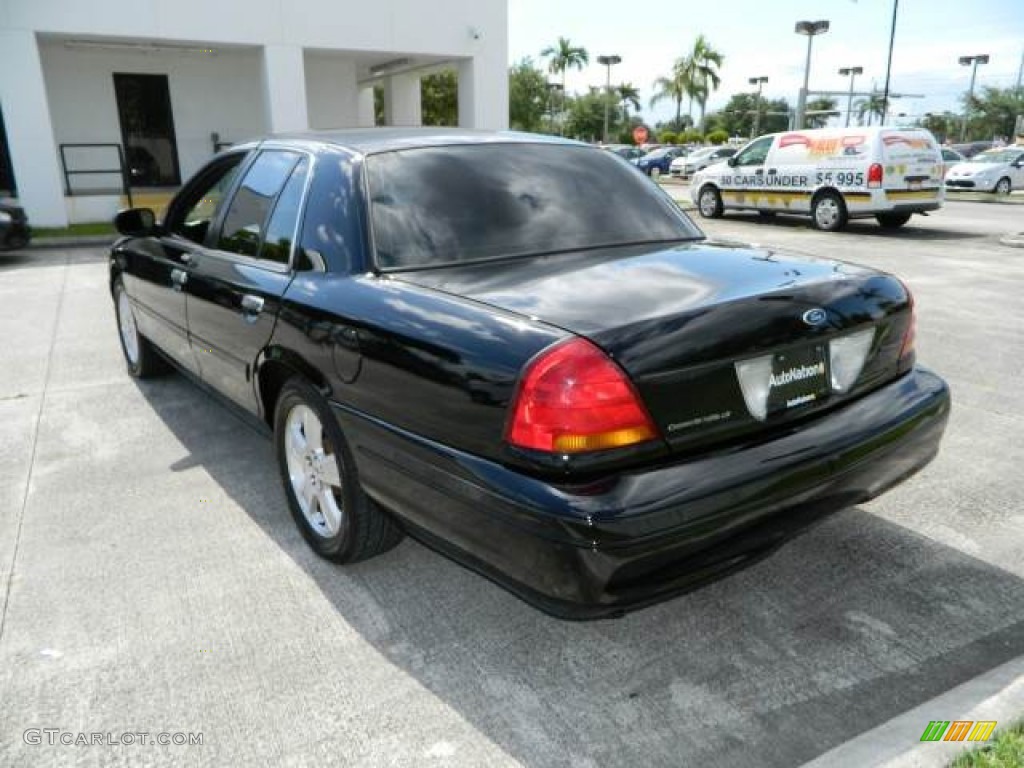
x=999 y=170
x=698 y=160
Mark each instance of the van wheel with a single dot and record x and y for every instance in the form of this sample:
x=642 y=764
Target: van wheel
x=709 y=203
x=892 y=220
x=828 y=212
x=1002 y=186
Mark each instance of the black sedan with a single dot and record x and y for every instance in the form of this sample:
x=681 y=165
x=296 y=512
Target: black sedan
x=14 y=229
x=522 y=353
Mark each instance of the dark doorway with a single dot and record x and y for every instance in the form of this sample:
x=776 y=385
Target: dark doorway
x=7 y=186
x=147 y=129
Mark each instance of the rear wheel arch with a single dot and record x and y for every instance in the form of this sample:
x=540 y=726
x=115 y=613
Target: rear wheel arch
x=274 y=367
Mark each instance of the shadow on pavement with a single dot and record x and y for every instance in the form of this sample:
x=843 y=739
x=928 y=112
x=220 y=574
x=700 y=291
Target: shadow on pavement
x=862 y=227
x=843 y=628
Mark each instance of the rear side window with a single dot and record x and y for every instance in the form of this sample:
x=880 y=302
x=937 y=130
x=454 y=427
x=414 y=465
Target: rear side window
x=246 y=218
x=277 y=244
x=443 y=205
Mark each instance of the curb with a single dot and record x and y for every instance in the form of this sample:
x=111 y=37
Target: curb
x=994 y=695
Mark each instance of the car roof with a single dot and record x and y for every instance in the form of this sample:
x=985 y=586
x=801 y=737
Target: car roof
x=366 y=141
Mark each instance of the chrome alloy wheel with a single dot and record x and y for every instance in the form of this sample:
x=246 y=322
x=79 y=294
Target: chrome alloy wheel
x=313 y=471
x=129 y=331
x=827 y=213
x=708 y=202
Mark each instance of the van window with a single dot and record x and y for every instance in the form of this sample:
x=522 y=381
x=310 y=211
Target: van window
x=756 y=152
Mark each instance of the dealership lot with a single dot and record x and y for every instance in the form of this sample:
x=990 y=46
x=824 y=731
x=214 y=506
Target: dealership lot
x=152 y=580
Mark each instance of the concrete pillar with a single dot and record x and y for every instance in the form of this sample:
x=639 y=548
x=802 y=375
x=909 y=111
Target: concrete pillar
x=332 y=92
x=402 y=98
x=34 y=155
x=483 y=92
x=284 y=88
x=367 y=112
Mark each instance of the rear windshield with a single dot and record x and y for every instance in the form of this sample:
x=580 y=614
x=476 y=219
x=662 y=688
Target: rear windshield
x=435 y=206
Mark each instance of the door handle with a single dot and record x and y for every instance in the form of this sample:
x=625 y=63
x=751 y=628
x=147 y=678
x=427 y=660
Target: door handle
x=759 y=172
x=771 y=171
x=252 y=305
x=179 y=277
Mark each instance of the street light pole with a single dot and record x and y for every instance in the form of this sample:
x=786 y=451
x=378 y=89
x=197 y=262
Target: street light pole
x=852 y=73
x=809 y=28
x=972 y=62
x=608 y=62
x=758 y=81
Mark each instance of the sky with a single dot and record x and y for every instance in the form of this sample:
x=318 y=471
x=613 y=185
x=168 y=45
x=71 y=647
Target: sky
x=756 y=38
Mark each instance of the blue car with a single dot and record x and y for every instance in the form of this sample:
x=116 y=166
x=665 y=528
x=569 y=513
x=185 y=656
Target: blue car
x=656 y=162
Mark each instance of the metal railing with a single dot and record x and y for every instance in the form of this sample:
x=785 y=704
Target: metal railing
x=121 y=170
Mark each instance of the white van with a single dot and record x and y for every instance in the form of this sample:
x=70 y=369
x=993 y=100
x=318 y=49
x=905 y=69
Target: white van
x=832 y=174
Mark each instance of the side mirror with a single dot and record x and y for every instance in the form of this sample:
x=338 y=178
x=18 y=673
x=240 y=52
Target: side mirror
x=136 y=222
x=732 y=161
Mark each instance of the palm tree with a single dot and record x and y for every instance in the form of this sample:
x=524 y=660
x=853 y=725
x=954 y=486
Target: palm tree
x=673 y=88
x=704 y=61
x=628 y=95
x=562 y=56
x=873 y=105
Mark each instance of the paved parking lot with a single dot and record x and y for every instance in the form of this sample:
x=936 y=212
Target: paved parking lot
x=152 y=581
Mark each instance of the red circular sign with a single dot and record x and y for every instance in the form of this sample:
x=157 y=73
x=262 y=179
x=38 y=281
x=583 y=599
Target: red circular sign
x=640 y=134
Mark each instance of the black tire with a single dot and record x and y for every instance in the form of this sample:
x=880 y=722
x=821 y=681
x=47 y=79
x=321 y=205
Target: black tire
x=828 y=212
x=766 y=214
x=1003 y=187
x=146 y=362
x=892 y=220
x=709 y=202
x=364 y=529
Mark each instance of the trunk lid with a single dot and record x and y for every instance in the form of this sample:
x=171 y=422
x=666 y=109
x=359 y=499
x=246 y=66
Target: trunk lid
x=679 y=319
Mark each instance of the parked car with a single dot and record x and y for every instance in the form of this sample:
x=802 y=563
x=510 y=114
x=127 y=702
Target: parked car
x=831 y=174
x=995 y=170
x=971 y=148
x=454 y=335
x=950 y=157
x=14 y=229
x=656 y=162
x=625 y=151
x=698 y=160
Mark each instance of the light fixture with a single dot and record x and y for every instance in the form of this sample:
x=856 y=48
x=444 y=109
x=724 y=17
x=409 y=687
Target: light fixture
x=138 y=47
x=387 y=66
x=810 y=29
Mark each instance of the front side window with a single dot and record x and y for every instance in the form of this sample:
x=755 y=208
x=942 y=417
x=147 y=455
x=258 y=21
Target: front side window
x=246 y=218
x=755 y=153
x=201 y=201
x=432 y=206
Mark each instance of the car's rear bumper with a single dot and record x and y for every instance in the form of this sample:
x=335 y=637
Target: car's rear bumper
x=627 y=540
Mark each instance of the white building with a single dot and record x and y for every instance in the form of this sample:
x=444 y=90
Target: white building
x=167 y=80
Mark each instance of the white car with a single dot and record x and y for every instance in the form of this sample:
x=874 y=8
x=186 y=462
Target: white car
x=998 y=170
x=698 y=160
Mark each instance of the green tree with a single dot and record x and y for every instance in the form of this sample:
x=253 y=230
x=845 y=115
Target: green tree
x=871 y=107
x=993 y=112
x=527 y=96
x=819 y=105
x=944 y=126
x=439 y=98
x=564 y=56
x=705 y=63
x=585 y=116
x=737 y=116
x=717 y=137
x=668 y=137
x=628 y=96
x=671 y=88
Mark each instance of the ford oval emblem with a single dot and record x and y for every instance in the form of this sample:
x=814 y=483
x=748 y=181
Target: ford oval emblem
x=815 y=317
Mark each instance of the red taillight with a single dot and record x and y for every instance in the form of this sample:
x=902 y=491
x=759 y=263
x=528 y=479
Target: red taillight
x=910 y=334
x=573 y=398
x=875 y=175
